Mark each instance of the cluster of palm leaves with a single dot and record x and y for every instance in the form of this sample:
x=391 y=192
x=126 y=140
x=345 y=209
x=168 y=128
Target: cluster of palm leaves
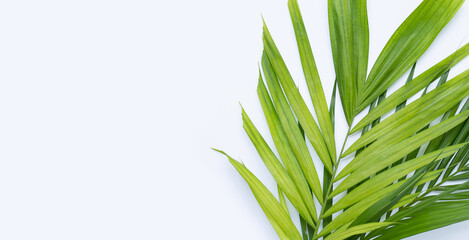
x=409 y=172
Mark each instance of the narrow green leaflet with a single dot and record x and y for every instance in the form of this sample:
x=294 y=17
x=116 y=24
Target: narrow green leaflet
x=409 y=79
x=458 y=196
x=421 y=205
x=412 y=87
x=286 y=153
x=464 y=158
x=406 y=200
x=337 y=232
x=290 y=127
x=375 y=211
x=374 y=123
x=297 y=103
x=304 y=228
x=427 y=202
x=278 y=171
x=277 y=216
x=327 y=177
x=463 y=176
x=457 y=135
x=348 y=26
x=367 y=128
x=312 y=76
x=438 y=215
x=417 y=114
x=281 y=198
x=355 y=210
x=389 y=176
x=399 y=107
x=359 y=229
x=332 y=106
x=407 y=44
x=373 y=159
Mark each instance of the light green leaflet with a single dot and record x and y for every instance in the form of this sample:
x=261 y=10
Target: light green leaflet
x=339 y=231
x=351 y=213
x=312 y=77
x=412 y=87
x=438 y=215
x=297 y=103
x=278 y=172
x=377 y=210
x=327 y=177
x=359 y=229
x=348 y=25
x=389 y=176
x=355 y=210
x=371 y=161
x=417 y=114
x=425 y=204
x=286 y=153
x=289 y=125
x=407 y=44
x=458 y=196
x=281 y=198
x=276 y=214
x=409 y=198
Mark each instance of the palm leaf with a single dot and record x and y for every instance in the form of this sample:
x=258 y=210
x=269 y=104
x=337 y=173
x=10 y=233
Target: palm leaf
x=405 y=176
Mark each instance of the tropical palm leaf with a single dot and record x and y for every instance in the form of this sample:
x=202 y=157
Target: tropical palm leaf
x=409 y=171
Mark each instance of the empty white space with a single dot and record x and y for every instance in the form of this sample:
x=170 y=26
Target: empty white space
x=108 y=111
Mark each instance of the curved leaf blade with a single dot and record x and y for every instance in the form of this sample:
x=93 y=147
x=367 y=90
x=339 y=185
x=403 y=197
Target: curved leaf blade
x=387 y=177
x=285 y=151
x=407 y=44
x=352 y=212
x=372 y=160
x=292 y=131
x=312 y=76
x=348 y=25
x=412 y=87
x=417 y=114
x=359 y=229
x=297 y=102
x=274 y=211
x=438 y=215
x=277 y=170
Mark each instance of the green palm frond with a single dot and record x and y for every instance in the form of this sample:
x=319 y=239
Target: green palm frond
x=409 y=171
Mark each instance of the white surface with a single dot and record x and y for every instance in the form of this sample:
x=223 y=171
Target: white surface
x=108 y=110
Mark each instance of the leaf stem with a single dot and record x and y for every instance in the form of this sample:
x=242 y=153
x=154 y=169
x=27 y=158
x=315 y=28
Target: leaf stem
x=329 y=188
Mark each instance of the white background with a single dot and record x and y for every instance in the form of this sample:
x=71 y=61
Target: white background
x=108 y=110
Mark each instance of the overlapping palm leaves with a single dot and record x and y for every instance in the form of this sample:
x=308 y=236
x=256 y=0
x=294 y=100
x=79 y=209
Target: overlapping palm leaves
x=397 y=185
